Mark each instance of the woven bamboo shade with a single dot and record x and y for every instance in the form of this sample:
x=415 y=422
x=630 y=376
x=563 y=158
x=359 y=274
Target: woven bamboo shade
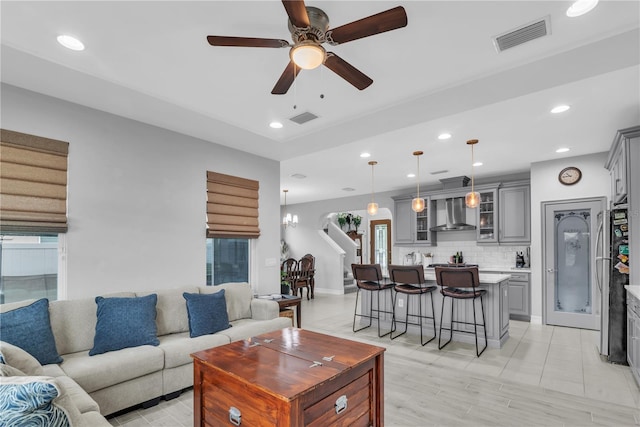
x=232 y=206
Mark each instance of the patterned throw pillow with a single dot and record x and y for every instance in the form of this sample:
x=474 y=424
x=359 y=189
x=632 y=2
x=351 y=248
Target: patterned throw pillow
x=125 y=322
x=34 y=401
x=207 y=313
x=30 y=329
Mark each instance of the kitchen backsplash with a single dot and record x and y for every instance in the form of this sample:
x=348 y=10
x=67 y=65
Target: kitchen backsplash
x=485 y=256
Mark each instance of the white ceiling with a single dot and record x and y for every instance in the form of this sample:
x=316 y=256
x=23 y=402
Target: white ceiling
x=150 y=61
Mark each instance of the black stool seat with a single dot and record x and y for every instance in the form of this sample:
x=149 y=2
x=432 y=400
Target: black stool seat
x=461 y=283
x=409 y=280
x=373 y=286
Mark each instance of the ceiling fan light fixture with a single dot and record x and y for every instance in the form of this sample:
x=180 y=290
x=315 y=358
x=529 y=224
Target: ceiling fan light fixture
x=308 y=55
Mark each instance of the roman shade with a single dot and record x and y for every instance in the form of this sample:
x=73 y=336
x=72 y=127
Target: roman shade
x=33 y=183
x=232 y=206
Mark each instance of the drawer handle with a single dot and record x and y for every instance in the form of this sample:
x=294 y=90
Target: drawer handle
x=235 y=417
x=341 y=404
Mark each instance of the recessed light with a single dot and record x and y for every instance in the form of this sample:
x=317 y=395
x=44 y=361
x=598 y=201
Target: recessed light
x=411 y=175
x=275 y=125
x=562 y=150
x=298 y=176
x=444 y=136
x=70 y=42
x=348 y=189
x=581 y=7
x=365 y=155
x=477 y=164
x=559 y=109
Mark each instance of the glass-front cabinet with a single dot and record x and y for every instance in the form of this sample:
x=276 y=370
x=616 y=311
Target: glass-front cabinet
x=411 y=228
x=487 y=219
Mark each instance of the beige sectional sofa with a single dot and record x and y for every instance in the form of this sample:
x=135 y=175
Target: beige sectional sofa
x=119 y=379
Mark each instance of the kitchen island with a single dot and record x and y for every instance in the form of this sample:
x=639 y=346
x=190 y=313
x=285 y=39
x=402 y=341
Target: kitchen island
x=496 y=310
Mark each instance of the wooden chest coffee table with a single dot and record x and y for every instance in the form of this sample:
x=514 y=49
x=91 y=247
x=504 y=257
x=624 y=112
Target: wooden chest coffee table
x=291 y=377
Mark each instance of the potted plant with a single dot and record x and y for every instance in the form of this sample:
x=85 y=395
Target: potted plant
x=284 y=285
x=342 y=220
x=357 y=220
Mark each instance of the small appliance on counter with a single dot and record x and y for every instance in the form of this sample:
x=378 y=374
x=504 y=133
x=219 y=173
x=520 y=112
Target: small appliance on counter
x=520 y=260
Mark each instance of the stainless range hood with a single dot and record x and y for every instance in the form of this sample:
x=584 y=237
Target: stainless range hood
x=456 y=216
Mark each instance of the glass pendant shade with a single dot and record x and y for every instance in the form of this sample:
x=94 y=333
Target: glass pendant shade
x=287 y=219
x=472 y=199
x=372 y=208
x=417 y=204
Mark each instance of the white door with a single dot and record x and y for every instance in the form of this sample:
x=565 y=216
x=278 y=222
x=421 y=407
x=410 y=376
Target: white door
x=570 y=232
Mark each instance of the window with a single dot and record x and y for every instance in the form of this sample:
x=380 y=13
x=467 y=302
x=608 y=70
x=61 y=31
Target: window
x=227 y=261
x=28 y=267
x=33 y=195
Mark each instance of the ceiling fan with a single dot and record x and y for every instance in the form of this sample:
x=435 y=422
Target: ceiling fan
x=309 y=28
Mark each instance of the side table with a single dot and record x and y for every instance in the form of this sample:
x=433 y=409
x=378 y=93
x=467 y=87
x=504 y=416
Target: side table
x=292 y=301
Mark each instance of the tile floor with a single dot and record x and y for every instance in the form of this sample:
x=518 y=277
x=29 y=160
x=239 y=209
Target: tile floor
x=544 y=375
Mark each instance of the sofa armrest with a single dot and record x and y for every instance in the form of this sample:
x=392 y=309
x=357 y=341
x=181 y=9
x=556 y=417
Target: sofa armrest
x=264 y=309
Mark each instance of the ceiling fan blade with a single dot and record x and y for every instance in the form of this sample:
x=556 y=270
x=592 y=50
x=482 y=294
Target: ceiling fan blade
x=286 y=79
x=297 y=12
x=347 y=71
x=245 y=42
x=391 y=19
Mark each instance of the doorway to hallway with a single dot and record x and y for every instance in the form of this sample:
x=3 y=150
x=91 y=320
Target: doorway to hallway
x=380 y=248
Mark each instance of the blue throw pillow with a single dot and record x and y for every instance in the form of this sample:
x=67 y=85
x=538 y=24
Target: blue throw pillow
x=207 y=313
x=124 y=323
x=30 y=329
x=31 y=401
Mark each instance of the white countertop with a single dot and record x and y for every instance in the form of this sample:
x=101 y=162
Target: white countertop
x=633 y=290
x=485 y=278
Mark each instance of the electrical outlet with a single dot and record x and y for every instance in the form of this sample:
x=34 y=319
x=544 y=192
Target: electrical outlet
x=400 y=303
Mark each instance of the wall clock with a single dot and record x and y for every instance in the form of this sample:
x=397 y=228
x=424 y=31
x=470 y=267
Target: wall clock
x=570 y=175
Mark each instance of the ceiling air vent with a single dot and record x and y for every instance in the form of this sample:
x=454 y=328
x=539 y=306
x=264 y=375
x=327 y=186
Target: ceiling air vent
x=523 y=34
x=303 y=118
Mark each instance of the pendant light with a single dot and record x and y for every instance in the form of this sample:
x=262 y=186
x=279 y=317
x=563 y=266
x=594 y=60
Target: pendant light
x=472 y=199
x=372 y=208
x=417 y=204
x=288 y=220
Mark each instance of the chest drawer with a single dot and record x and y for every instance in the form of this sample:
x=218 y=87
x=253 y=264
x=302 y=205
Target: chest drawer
x=349 y=406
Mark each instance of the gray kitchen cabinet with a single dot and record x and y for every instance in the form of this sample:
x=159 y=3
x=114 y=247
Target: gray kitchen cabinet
x=515 y=214
x=487 y=217
x=519 y=296
x=411 y=228
x=633 y=335
x=618 y=173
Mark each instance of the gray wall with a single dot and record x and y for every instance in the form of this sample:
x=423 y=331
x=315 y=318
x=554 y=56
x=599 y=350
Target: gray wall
x=137 y=197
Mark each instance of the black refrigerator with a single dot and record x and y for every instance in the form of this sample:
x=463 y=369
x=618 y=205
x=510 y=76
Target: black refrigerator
x=612 y=262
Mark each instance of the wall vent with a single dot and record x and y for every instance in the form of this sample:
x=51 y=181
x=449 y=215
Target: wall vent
x=523 y=34
x=439 y=172
x=303 y=118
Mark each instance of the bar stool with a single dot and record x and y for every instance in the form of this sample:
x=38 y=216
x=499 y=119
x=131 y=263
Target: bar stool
x=369 y=278
x=461 y=283
x=409 y=280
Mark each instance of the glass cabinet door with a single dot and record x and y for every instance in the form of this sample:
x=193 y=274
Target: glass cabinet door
x=422 y=222
x=487 y=219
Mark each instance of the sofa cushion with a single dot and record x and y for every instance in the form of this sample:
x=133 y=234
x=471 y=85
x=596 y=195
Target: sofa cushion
x=30 y=329
x=114 y=367
x=178 y=347
x=73 y=323
x=171 y=310
x=10 y=371
x=26 y=401
x=207 y=313
x=80 y=398
x=19 y=359
x=124 y=323
x=238 y=296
